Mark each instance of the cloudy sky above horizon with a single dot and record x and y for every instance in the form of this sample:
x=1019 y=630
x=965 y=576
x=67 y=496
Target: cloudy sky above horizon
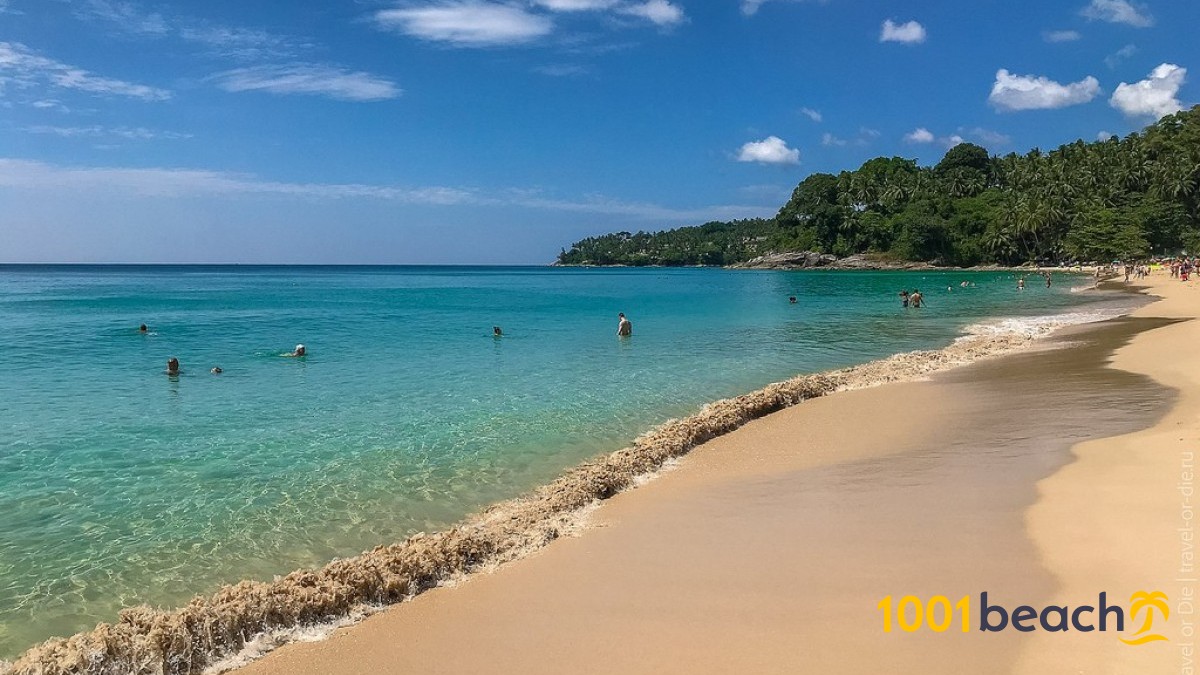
x=487 y=131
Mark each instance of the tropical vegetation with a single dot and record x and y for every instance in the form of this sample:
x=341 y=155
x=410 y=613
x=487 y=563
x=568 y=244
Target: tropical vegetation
x=1117 y=198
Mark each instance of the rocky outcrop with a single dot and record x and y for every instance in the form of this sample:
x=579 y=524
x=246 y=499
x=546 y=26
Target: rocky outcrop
x=810 y=260
x=787 y=261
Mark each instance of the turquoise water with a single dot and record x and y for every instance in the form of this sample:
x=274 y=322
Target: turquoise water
x=121 y=485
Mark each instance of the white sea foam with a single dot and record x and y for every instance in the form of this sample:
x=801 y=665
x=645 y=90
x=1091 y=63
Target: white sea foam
x=1040 y=326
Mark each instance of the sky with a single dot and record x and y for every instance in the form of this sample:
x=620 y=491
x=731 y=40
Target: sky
x=499 y=131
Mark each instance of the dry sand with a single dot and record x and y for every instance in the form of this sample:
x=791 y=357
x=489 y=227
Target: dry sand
x=767 y=549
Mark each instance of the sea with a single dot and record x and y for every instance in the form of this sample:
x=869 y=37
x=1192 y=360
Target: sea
x=121 y=484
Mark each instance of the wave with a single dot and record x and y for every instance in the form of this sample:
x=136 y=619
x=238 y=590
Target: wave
x=243 y=621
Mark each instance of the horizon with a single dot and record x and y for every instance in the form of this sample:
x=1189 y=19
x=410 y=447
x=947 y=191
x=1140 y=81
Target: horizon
x=486 y=133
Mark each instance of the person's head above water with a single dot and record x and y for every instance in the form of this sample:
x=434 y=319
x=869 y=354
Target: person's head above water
x=496 y=331
x=300 y=351
x=143 y=328
x=172 y=365
x=216 y=370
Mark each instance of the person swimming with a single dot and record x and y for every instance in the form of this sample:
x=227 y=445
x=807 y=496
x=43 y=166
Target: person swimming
x=299 y=351
x=624 y=327
x=216 y=370
x=496 y=332
x=172 y=366
x=792 y=300
x=143 y=328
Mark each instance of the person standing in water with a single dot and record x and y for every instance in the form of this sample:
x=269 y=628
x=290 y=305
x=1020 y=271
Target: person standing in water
x=916 y=299
x=624 y=327
x=1021 y=284
x=904 y=298
x=172 y=366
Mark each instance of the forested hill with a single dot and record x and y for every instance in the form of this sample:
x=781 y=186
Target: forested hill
x=1112 y=199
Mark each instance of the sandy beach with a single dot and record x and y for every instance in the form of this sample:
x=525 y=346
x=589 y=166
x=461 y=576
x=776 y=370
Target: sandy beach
x=1042 y=477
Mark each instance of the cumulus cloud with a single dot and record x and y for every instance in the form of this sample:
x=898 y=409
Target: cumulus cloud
x=814 y=115
x=660 y=12
x=770 y=150
x=467 y=23
x=907 y=33
x=1026 y=92
x=919 y=135
x=22 y=67
x=1118 y=11
x=308 y=79
x=1061 y=36
x=1156 y=96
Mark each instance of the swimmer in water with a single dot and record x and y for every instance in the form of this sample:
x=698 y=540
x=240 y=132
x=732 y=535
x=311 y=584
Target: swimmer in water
x=299 y=351
x=496 y=332
x=143 y=328
x=216 y=370
x=624 y=327
x=792 y=300
x=172 y=366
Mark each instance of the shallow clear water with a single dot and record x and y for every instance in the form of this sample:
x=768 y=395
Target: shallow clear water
x=120 y=485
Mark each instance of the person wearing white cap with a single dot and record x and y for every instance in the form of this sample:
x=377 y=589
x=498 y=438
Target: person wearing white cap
x=298 y=352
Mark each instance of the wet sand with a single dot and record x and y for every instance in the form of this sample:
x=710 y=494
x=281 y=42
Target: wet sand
x=767 y=549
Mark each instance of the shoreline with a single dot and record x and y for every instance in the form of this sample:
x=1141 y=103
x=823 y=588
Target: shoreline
x=504 y=532
x=767 y=549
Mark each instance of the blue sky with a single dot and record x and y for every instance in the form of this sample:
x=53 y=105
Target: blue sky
x=476 y=131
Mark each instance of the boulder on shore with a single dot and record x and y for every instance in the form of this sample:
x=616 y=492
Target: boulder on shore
x=784 y=261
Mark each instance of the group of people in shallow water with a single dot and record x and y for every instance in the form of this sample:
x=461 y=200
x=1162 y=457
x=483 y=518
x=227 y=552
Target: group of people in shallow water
x=174 y=369
x=914 y=299
x=624 y=329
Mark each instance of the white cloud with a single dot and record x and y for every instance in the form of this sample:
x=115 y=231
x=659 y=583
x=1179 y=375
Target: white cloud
x=561 y=70
x=814 y=115
x=467 y=23
x=310 y=79
x=24 y=68
x=989 y=137
x=1026 y=92
x=952 y=140
x=908 y=33
x=661 y=12
x=238 y=43
x=1118 y=11
x=128 y=133
x=829 y=140
x=173 y=182
x=576 y=5
x=770 y=150
x=1104 y=136
x=1113 y=60
x=867 y=132
x=1061 y=36
x=919 y=135
x=125 y=15
x=1156 y=96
